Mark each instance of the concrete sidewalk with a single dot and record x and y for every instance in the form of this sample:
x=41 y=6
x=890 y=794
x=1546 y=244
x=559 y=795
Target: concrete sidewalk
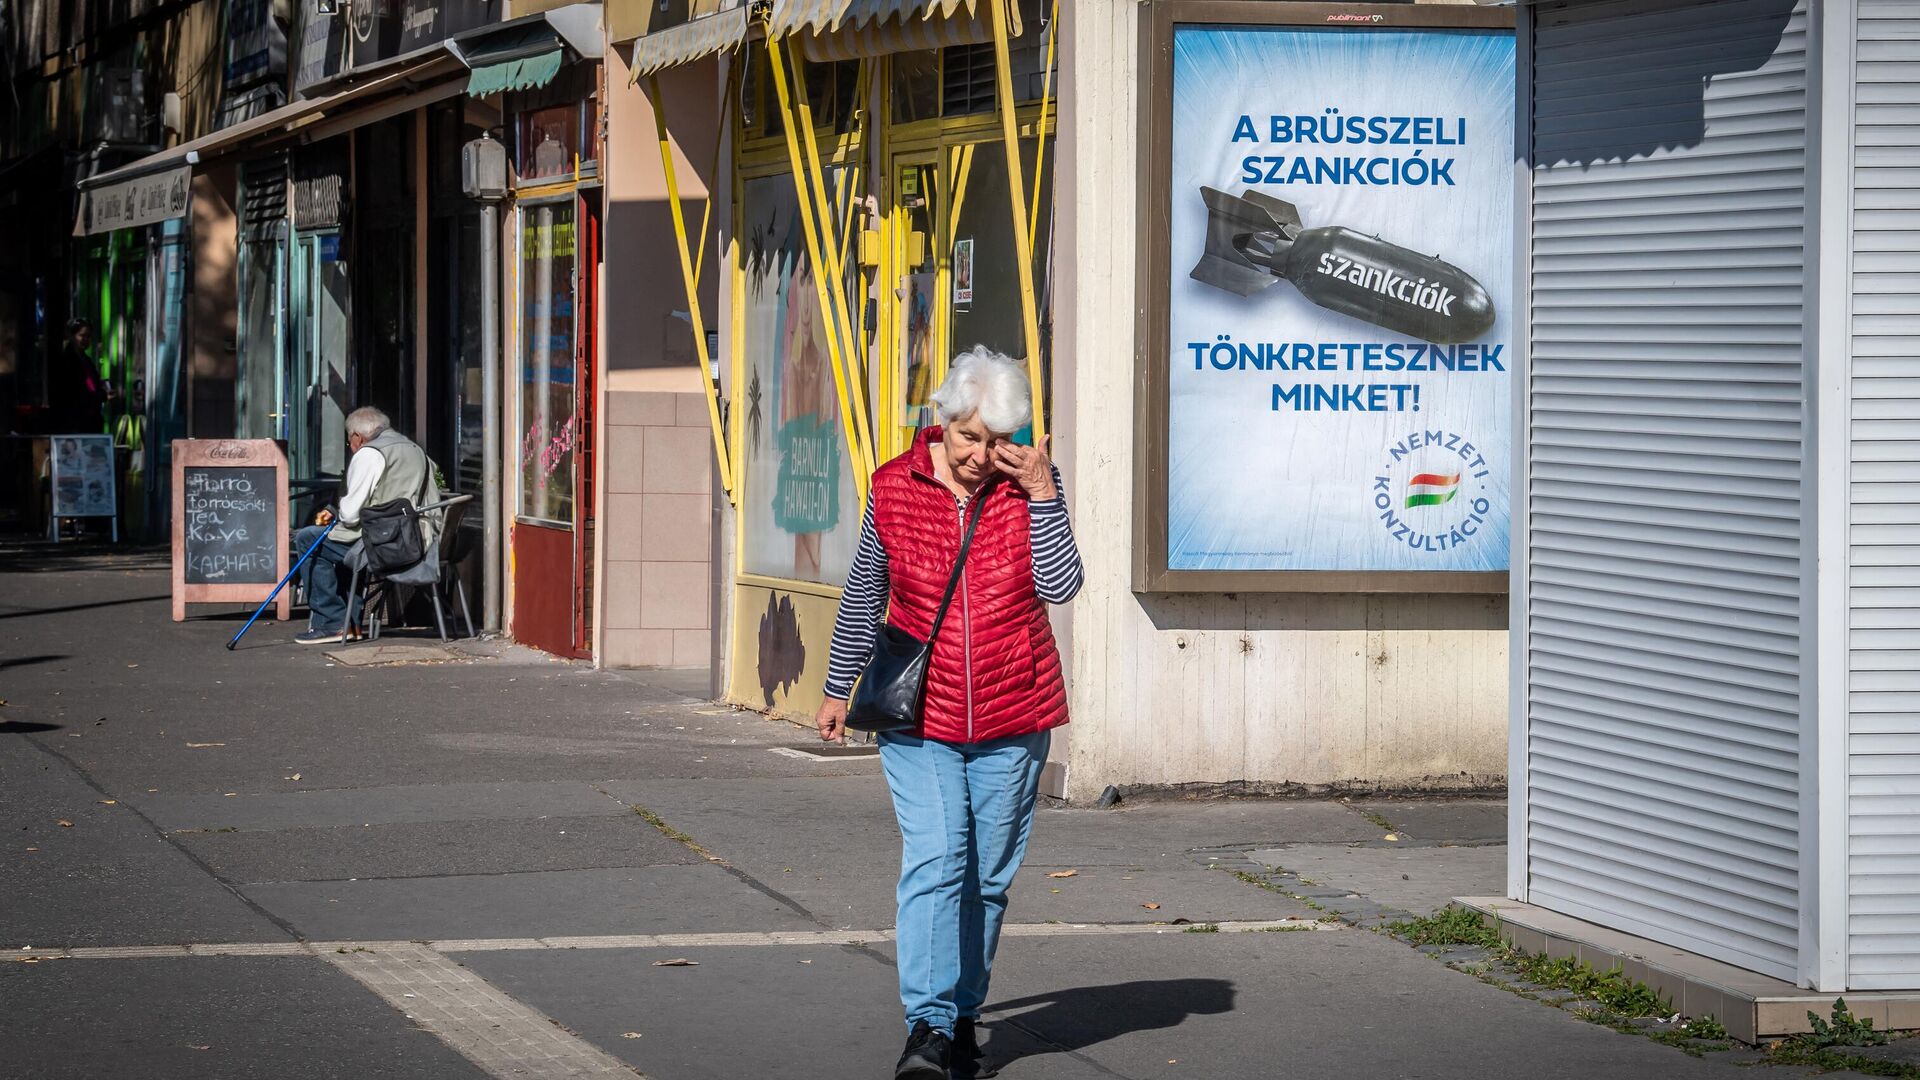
x=495 y=866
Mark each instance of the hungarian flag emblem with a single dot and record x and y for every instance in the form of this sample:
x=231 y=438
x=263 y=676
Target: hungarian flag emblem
x=1432 y=489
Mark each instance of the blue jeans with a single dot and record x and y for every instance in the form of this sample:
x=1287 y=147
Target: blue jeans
x=326 y=600
x=965 y=813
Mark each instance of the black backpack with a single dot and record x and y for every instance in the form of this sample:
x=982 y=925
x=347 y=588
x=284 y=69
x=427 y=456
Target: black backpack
x=390 y=532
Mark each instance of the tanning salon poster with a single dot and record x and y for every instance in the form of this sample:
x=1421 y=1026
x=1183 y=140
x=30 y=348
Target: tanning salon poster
x=1340 y=302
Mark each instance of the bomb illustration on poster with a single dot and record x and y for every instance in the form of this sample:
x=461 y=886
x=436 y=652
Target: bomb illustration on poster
x=1254 y=240
x=1339 y=268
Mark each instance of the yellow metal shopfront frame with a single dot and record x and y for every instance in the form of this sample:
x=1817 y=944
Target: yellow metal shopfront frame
x=830 y=221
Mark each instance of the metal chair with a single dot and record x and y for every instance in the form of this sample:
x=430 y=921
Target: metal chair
x=371 y=590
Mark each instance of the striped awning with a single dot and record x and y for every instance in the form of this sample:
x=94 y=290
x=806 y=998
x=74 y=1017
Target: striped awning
x=522 y=58
x=689 y=41
x=826 y=30
x=904 y=33
x=821 y=17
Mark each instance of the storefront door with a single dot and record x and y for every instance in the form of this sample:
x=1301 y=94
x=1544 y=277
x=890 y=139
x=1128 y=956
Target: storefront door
x=317 y=376
x=953 y=255
x=553 y=521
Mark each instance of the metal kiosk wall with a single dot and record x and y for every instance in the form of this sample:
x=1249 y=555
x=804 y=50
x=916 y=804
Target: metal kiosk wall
x=1715 y=734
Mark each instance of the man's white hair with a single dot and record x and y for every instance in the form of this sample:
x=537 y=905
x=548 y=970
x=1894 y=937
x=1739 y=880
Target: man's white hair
x=367 y=422
x=989 y=383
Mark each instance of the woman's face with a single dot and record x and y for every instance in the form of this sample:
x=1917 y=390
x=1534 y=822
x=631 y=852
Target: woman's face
x=970 y=449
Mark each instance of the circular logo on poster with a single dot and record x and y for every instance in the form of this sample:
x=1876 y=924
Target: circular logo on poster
x=1432 y=493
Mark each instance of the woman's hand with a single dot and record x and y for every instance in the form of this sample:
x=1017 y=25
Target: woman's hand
x=1030 y=466
x=832 y=720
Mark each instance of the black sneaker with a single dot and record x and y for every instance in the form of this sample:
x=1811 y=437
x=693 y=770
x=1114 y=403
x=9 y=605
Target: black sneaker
x=968 y=1062
x=321 y=637
x=926 y=1055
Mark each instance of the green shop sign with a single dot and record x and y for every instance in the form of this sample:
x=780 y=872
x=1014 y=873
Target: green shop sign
x=807 y=498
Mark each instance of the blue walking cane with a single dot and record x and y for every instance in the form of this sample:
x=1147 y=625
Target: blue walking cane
x=276 y=589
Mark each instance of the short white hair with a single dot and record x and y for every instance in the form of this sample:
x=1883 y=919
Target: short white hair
x=367 y=422
x=989 y=383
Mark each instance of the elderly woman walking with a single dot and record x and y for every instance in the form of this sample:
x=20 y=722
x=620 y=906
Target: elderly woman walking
x=964 y=782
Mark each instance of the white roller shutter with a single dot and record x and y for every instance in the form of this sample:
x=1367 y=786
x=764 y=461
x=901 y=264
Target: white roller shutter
x=1663 y=631
x=1884 y=529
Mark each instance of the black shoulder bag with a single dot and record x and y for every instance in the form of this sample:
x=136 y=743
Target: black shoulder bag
x=391 y=531
x=894 y=684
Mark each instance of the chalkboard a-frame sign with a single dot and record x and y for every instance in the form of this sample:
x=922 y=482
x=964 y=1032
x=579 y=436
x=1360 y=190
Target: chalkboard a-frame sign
x=229 y=523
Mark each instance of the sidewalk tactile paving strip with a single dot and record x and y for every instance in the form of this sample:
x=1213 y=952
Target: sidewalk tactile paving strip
x=505 y=1037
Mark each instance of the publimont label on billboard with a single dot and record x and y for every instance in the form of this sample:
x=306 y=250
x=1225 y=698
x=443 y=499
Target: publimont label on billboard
x=1339 y=304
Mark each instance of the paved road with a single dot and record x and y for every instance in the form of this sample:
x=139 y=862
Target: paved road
x=263 y=863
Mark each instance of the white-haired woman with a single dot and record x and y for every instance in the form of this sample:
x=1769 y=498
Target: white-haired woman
x=965 y=784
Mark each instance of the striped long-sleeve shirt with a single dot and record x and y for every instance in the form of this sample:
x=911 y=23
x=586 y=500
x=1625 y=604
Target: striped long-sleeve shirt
x=1057 y=576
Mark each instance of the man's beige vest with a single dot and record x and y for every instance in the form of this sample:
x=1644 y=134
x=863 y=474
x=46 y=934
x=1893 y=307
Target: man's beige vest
x=408 y=475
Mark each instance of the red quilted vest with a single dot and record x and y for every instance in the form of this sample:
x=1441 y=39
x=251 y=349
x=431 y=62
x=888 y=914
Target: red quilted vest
x=995 y=670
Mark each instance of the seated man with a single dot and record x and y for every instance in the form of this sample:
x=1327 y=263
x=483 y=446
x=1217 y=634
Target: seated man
x=385 y=465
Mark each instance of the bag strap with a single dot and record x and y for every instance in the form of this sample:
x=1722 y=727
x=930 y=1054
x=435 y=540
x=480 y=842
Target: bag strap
x=960 y=563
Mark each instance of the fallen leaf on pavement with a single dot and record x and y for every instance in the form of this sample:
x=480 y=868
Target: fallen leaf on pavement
x=33 y=849
x=1064 y=873
x=295 y=776
x=806 y=961
x=65 y=824
x=107 y=802
x=629 y=1034
x=1151 y=907
x=676 y=963
x=203 y=745
x=190 y=1046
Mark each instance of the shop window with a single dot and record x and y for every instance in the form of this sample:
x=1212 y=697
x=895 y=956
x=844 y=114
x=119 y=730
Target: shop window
x=800 y=515
x=985 y=293
x=916 y=86
x=832 y=90
x=549 y=421
x=548 y=142
x=959 y=80
x=556 y=128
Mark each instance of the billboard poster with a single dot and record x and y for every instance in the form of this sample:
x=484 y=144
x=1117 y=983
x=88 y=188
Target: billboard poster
x=1339 y=315
x=800 y=516
x=82 y=479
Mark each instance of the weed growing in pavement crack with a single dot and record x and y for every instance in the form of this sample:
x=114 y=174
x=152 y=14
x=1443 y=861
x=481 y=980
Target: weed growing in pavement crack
x=1449 y=926
x=1376 y=818
x=672 y=833
x=1825 y=1047
x=1842 y=1028
x=1612 y=990
x=1327 y=913
x=1705 y=1027
x=1203 y=928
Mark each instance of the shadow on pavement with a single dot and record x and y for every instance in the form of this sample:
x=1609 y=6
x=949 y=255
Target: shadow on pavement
x=25 y=727
x=26 y=555
x=22 y=613
x=28 y=661
x=1084 y=1016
